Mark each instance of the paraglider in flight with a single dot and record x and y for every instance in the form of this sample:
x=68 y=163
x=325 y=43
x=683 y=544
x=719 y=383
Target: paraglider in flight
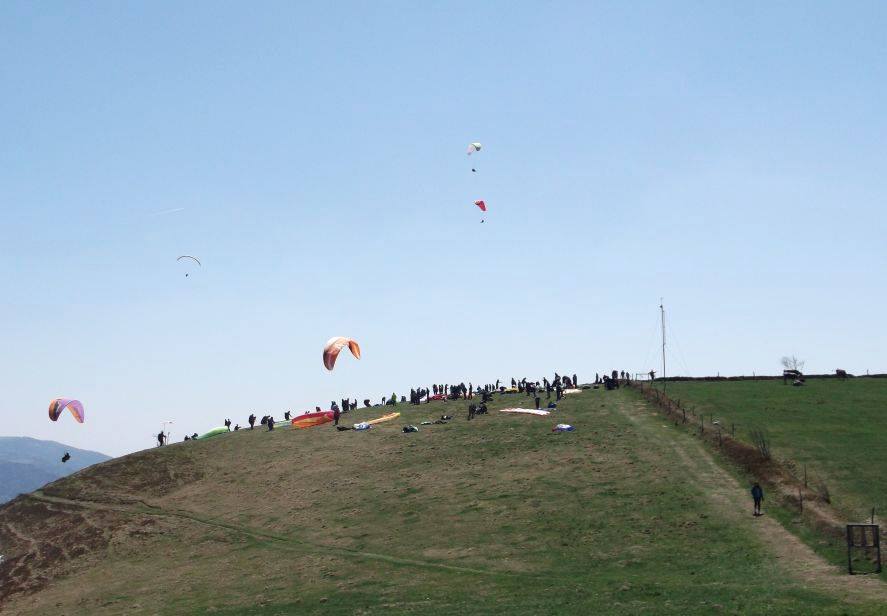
x=472 y=148
x=60 y=404
x=481 y=205
x=334 y=345
x=66 y=457
x=195 y=259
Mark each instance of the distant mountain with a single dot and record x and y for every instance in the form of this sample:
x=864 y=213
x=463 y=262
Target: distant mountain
x=27 y=463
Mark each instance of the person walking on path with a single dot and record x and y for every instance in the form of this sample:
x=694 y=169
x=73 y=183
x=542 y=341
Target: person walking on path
x=758 y=495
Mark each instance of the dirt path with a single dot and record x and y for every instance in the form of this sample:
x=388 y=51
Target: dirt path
x=731 y=500
x=20 y=535
x=282 y=541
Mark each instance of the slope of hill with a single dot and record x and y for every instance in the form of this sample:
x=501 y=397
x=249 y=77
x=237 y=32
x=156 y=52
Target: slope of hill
x=494 y=515
x=28 y=463
x=837 y=428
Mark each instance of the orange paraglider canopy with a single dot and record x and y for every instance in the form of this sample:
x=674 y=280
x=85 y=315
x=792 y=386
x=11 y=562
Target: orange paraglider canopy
x=309 y=420
x=332 y=348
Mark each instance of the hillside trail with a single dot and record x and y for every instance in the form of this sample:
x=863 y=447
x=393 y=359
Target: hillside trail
x=281 y=541
x=733 y=501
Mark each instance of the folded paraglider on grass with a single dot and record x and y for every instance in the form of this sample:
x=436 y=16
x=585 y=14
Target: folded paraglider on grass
x=525 y=411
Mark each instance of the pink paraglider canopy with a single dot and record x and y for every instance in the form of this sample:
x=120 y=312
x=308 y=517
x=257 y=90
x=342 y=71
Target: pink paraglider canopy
x=60 y=404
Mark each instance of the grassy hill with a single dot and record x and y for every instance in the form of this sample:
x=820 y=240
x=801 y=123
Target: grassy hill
x=496 y=515
x=28 y=463
x=837 y=428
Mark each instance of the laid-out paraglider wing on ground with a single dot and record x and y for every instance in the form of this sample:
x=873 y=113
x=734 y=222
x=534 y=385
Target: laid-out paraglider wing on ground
x=383 y=418
x=332 y=348
x=312 y=419
x=60 y=404
x=525 y=411
x=214 y=432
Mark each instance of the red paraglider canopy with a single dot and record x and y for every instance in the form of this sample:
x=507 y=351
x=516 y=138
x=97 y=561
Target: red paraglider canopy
x=481 y=205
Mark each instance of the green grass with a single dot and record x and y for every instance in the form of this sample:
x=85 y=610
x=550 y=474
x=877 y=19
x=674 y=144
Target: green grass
x=496 y=515
x=838 y=429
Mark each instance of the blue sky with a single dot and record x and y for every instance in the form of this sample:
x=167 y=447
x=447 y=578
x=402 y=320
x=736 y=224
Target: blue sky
x=727 y=157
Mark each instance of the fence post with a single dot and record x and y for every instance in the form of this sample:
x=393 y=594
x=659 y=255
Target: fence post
x=801 y=500
x=805 y=475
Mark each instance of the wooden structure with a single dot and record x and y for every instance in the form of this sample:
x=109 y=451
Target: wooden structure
x=865 y=538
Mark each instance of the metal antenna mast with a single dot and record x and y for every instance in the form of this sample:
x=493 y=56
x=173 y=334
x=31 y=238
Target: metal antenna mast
x=662 y=315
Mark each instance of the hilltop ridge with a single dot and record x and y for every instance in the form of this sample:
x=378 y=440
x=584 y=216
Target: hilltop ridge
x=489 y=515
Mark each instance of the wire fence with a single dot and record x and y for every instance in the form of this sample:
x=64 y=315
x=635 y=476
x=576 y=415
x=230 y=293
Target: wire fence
x=749 y=448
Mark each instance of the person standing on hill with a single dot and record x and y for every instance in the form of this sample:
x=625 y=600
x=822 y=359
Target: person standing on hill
x=252 y=421
x=161 y=438
x=336 y=415
x=270 y=423
x=757 y=495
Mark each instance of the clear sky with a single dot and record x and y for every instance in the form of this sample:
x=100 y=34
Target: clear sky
x=727 y=156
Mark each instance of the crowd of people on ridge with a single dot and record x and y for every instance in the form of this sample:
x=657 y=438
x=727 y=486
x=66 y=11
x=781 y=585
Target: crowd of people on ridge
x=443 y=391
